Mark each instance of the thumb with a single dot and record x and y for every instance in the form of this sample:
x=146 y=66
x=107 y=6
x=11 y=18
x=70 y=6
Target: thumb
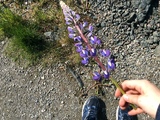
x=134 y=99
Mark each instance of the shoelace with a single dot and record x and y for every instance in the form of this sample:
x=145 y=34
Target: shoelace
x=92 y=113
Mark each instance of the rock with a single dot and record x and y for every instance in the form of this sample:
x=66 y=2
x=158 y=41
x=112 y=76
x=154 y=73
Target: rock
x=48 y=34
x=156 y=34
x=132 y=17
x=157 y=51
x=103 y=24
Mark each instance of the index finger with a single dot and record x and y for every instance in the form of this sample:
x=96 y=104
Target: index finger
x=136 y=85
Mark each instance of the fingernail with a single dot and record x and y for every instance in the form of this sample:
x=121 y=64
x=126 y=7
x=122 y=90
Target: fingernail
x=125 y=97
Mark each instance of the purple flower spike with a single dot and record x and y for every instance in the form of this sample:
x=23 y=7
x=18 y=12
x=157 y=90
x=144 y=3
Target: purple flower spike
x=93 y=52
x=85 y=61
x=96 y=76
x=106 y=74
x=84 y=53
x=111 y=64
x=105 y=53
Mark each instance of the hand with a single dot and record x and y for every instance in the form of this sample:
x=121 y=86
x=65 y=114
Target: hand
x=142 y=93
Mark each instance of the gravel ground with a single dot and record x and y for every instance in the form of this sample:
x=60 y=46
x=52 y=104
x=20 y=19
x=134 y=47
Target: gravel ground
x=131 y=29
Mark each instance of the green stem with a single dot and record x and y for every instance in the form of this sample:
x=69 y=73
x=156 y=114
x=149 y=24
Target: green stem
x=122 y=91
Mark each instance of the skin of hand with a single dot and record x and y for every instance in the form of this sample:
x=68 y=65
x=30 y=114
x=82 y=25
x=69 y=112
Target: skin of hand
x=142 y=93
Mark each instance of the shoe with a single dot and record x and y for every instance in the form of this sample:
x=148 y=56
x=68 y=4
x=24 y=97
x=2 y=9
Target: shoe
x=94 y=109
x=123 y=114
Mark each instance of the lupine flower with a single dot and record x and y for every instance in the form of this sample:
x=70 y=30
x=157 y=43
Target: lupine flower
x=111 y=64
x=86 y=42
x=83 y=25
x=78 y=38
x=105 y=53
x=90 y=28
x=93 y=52
x=84 y=53
x=96 y=76
x=106 y=74
x=70 y=29
x=85 y=61
x=72 y=35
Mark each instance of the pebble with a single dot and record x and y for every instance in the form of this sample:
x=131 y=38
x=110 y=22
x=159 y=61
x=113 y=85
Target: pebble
x=157 y=51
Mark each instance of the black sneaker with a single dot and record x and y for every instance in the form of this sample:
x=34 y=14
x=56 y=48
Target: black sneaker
x=123 y=114
x=94 y=109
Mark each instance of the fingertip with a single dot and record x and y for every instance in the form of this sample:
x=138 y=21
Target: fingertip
x=117 y=93
x=122 y=103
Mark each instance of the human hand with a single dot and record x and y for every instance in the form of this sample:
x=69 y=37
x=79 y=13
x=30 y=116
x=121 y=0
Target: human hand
x=142 y=93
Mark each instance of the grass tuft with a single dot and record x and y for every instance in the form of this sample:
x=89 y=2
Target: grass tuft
x=27 y=44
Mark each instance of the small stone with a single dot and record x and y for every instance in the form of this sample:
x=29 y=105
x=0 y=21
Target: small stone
x=62 y=102
x=42 y=77
x=155 y=34
x=48 y=34
x=103 y=24
x=3 y=42
x=132 y=17
x=157 y=51
x=156 y=40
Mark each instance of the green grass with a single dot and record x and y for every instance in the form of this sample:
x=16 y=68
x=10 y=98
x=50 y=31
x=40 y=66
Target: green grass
x=27 y=46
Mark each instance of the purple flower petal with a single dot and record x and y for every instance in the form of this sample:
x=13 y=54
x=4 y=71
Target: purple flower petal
x=68 y=19
x=85 y=61
x=71 y=35
x=81 y=26
x=79 y=49
x=106 y=74
x=93 y=40
x=78 y=38
x=70 y=29
x=89 y=34
x=73 y=13
x=84 y=53
x=98 y=42
x=78 y=44
x=105 y=53
x=85 y=24
x=93 y=52
x=111 y=64
x=90 y=28
x=68 y=23
x=96 y=76
x=77 y=17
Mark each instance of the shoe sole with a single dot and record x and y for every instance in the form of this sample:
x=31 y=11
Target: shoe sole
x=117 y=113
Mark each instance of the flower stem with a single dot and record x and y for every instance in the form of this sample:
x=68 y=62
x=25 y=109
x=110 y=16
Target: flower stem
x=122 y=91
